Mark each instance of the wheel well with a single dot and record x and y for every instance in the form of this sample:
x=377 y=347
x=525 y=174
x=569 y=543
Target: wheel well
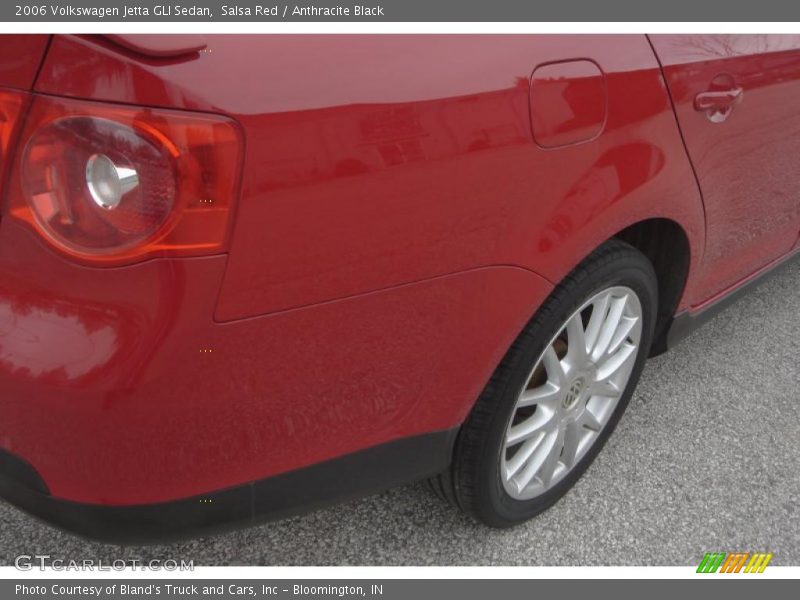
x=665 y=243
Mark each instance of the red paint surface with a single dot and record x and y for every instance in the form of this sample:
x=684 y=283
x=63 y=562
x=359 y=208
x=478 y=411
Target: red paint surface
x=20 y=57
x=568 y=103
x=747 y=166
x=397 y=226
x=108 y=392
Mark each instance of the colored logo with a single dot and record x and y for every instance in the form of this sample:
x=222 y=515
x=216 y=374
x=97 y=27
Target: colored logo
x=734 y=562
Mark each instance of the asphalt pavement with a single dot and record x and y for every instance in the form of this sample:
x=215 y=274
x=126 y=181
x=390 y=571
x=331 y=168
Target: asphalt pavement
x=706 y=458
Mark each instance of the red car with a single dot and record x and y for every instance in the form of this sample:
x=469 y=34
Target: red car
x=242 y=276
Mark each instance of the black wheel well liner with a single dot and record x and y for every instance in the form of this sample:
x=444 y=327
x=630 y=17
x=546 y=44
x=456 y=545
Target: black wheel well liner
x=665 y=243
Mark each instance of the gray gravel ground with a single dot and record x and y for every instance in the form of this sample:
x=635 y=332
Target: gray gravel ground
x=707 y=457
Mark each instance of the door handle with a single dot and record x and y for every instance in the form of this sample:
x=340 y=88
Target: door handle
x=718 y=104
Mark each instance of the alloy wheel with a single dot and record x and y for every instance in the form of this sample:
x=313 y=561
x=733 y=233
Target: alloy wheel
x=571 y=392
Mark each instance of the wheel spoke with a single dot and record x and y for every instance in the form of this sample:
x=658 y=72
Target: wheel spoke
x=529 y=427
x=622 y=359
x=544 y=394
x=590 y=421
x=537 y=458
x=551 y=462
x=599 y=312
x=605 y=388
x=573 y=435
x=521 y=456
x=626 y=327
x=609 y=327
x=577 y=352
x=553 y=366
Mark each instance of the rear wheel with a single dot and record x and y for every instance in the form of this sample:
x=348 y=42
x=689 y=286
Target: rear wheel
x=558 y=393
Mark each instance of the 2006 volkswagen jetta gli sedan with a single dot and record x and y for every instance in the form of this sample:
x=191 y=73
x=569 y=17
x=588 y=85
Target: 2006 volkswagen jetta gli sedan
x=244 y=276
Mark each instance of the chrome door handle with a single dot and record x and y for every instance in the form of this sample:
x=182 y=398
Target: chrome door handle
x=718 y=104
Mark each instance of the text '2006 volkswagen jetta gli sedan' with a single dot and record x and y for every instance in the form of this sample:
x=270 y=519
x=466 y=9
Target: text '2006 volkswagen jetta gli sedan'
x=234 y=287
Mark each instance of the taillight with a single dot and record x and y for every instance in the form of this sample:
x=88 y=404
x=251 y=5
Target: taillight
x=113 y=184
x=12 y=105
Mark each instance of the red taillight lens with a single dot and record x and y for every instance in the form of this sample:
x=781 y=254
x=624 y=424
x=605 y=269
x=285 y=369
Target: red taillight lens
x=12 y=105
x=115 y=184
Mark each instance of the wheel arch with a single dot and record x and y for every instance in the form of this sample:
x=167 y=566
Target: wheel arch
x=666 y=245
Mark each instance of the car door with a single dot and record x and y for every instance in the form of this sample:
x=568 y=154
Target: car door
x=737 y=99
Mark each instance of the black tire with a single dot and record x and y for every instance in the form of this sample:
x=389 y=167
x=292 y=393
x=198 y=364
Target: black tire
x=473 y=481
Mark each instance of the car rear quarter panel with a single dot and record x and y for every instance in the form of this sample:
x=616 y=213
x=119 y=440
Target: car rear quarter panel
x=397 y=227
